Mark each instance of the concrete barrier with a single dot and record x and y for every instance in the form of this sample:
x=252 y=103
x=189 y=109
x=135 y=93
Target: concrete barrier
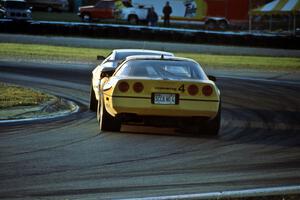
x=150 y=33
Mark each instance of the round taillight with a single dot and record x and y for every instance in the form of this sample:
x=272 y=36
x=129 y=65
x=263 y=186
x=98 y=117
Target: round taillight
x=193 y=90
x=138 y=87
x=207 y=90
x=123 y=86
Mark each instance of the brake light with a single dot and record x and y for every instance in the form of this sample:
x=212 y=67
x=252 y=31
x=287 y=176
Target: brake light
x=207 y=90
x=123 y=86
x=193 y=90
x=138 y=87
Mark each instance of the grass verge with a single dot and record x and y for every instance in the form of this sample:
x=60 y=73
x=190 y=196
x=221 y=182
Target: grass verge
x=46 y=52
x=12 y=95
x=245 y=62
x=73 y=54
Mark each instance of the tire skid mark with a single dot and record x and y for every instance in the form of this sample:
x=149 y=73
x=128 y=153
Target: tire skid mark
x=258 y=145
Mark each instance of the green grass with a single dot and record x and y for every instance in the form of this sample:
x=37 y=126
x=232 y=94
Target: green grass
x=12 y=95
x=45 y=52
x=59 y=53
x=245 y=62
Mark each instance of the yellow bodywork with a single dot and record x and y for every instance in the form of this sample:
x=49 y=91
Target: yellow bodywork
x=117 y=102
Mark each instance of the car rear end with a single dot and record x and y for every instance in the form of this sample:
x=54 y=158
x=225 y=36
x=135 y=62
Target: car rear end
x=16 y=10
x=163 y=98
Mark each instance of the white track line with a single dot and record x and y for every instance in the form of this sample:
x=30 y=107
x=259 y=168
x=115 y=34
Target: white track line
x=231 y=194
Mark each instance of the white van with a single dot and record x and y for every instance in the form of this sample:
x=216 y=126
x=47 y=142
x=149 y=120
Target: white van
x=183 y=10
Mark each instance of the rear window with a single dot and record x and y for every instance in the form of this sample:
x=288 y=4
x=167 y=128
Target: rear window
x=165 y=69
x=123 y=55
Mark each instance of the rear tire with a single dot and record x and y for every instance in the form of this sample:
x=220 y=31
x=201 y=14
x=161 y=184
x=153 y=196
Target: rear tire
x=211 y=127
x=210 y=25
x=86 y=17
x=132 y=19
x=106 y=121
x=223 y=25
x=93 y=100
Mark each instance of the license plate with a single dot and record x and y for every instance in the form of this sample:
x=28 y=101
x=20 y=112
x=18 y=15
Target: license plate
x=164 y=99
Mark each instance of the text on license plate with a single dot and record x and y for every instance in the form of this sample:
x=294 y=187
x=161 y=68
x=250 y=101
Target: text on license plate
x=166 y=99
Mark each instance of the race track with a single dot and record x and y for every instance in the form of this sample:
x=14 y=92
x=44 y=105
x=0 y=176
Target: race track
x=67 y=158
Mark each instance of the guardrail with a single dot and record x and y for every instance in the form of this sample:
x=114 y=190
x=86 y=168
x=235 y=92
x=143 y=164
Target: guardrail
x=150 y=33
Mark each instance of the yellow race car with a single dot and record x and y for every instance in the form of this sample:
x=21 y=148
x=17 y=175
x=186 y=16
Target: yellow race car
x=158 y=90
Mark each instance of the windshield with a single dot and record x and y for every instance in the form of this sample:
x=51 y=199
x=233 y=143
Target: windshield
x=127 y=4
x=165 y=69
x=16 y=5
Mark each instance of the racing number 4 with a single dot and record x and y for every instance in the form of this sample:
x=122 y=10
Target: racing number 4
x=181 y=88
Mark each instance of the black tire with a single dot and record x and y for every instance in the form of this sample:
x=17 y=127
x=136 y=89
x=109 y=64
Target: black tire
x=211 y=127
x=132 y=19
x=93 y=100
x=210 y=25
x=86 y=17
x=223 y=25
x=105 y=120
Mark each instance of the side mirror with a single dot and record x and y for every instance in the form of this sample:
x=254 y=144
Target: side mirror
x=30 y=8
x=107 y=72
x=100 y=57
x=212 y=78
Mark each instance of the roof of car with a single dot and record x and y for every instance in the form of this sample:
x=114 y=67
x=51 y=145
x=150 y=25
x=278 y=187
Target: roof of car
x=143 y=50
x=154 y=57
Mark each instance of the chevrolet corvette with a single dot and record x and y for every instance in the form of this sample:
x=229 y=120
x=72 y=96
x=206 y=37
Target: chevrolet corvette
x=158 y=90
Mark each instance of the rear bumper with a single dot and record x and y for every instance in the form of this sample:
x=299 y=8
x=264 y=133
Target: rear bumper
x=144 y=107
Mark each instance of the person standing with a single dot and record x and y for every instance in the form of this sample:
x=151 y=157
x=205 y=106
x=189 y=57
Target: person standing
x=152 y=17
x=167 y=10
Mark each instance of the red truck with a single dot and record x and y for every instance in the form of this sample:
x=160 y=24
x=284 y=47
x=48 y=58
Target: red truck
x=221 y=13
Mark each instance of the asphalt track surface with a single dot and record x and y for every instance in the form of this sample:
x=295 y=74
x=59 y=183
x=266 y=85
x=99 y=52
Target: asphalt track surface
x=68 y=157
